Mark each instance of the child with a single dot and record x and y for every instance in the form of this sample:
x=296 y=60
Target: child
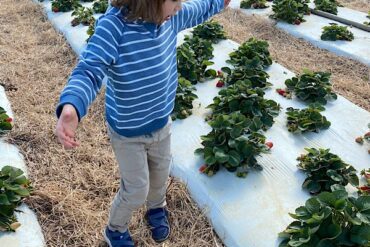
x=134 y=45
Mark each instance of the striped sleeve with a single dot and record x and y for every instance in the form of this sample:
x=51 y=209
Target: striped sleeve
x=195 y=12
x=86 y=79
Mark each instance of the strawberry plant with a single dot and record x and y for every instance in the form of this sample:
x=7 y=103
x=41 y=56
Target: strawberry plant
x=256 y=4
x=365 y=137
x=249 y=50
x=91 y=30
x=14 y=186
x=83 y=16
x=335 y=32
x=5 y=122
x=291 y=11
x=64 y=5
x=312 y=87
x=249 y=102
x=100 y=6
x=329 y=6
x=330 y=219
x=210 y=30
x=325 y=169
x=202 y=48
x=309 y=119
x=365 y=189
x=252 y=76
x=190 y=67
x=233 y=144
x=184 y=99
x=367 y=22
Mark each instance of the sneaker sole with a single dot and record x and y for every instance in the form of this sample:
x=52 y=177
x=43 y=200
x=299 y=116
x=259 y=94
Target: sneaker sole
x=107 y=239
x=164 y=239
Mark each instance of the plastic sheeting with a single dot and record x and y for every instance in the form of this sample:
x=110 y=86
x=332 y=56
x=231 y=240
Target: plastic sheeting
x=311 y=31
x=251 y=212
x=29 y=233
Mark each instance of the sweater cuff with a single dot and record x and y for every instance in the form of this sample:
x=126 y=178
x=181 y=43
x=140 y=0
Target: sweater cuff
x=72 y=100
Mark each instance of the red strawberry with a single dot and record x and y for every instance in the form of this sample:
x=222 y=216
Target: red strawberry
x=359 y=140
x=220 y=83
x=297 y=22
x=367 y=134
x=9 y=120
x=365 y=188
x=269 y=144
x=55 y=9
x=202 y=168
x=219 y=73
x=281 y=92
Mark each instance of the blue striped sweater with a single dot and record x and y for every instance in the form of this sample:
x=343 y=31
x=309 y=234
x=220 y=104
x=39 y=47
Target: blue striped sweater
x=139 y=60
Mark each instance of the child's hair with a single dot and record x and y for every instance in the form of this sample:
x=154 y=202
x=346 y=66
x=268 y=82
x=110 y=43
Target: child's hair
x=147 y=10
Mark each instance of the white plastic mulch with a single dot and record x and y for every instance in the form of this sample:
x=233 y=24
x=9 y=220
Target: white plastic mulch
x=29 y=233
x=311 y=30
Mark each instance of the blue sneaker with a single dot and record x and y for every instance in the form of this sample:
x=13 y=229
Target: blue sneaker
x=158 y=222
x=118 y=239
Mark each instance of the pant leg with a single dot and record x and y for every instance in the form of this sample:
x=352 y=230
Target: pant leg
x=159 y=161
x=134 y=185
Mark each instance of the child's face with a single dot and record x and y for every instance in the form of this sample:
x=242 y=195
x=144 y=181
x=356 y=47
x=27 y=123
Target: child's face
x=170 y=8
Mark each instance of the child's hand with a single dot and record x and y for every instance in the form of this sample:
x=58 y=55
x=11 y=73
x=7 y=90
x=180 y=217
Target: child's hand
x=67 y=126
x=226 y=3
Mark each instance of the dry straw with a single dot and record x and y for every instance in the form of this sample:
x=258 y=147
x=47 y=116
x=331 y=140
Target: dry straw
x=73 y=189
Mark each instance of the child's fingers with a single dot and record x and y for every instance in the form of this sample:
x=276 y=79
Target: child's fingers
x=67 y=141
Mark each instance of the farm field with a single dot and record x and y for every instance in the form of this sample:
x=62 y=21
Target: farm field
x=71 y=201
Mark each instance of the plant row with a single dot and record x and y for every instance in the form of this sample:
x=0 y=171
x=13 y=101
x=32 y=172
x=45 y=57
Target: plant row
x=14 y=186
x=193 y=58
x=240 y=113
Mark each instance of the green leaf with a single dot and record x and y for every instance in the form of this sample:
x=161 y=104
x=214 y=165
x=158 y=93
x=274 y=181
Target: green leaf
x=360 y=234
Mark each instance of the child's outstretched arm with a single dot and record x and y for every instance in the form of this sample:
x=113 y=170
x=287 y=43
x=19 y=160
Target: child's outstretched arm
x=86 y=79
x=196 y=12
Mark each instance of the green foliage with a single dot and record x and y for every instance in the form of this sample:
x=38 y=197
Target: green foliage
x=242 y=98
x=91 y=30
x=5 y=122
x=210 y=30
x=254 y=77
x=233 y=143
x=100 y=6
x=305 y=120
x=83 y=16
x=325 y=169
x=64 y=5
x=329 y=6
x=365 y=189
x=330 y=219
x=335 y=32
x=184 y=99
x=312 y=87
x=202 y=47
x=13 y=188
x=291 y=11
x=190 y=67
x=256 y=4
x=251 y=50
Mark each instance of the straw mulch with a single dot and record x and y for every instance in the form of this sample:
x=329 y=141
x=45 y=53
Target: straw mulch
x=73 y=189
x=350 y=78
x=360 y=5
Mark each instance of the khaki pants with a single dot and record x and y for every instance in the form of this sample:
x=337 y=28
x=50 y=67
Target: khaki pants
x=144 y=164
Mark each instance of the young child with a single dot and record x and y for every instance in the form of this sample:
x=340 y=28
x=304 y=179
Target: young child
x=134 y=45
